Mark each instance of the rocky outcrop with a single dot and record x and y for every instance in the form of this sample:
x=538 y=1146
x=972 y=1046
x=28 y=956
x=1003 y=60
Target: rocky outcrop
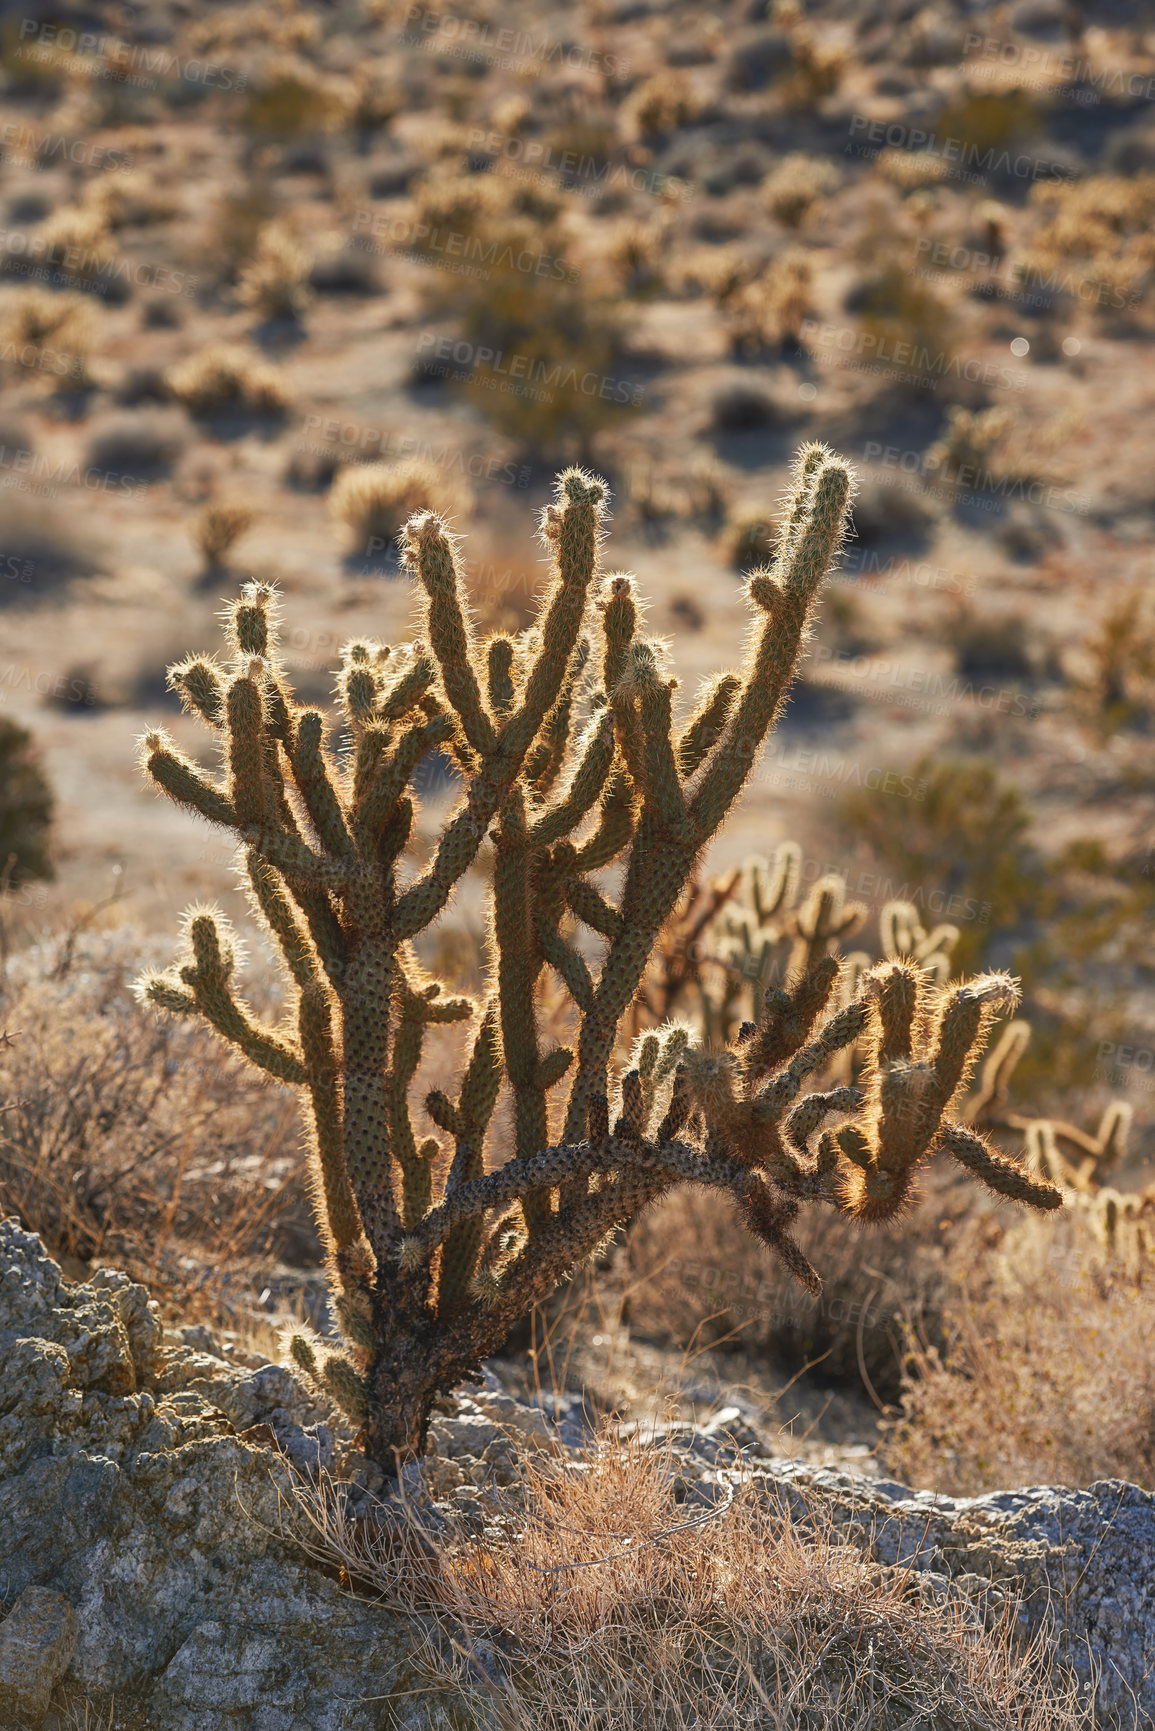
x=137 y=1482
x=143 y=1551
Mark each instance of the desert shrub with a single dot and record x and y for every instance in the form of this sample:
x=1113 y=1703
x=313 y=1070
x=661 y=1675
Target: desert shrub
x=797 y=186
x=133 y=1138
x=293 y=101
x=816 y=72
x=1116 y=691
x=1047 y=1374
x=26 y=806
x=766 y=309
x=962 y=833
x=275 y=280
x=47 y=335
x=144 y=445
x=637 y=256
x=912 y=327
x=662 y=104
x=548 y=344
x=695 y=1284
x=217 y=529
x=987 y=647
x=1097 y=229
x=374 y=501
x=81 y=250
x=226 y=378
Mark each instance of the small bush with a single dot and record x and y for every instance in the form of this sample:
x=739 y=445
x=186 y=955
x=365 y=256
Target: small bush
x=961 y=832
x=134 y=1138
x=26 y=805
x=375 y=500
x=275 y=280
x=226 y=377
x=217 y=529
x=797 y=186
x=766 y=310
x=991 y=1411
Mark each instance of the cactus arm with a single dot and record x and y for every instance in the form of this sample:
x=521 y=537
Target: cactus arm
x=312 y=777
x=1004 y=1176
x=787 y=602
x=339 y=1214
x=277 y=910
x=589 y=778
x=705 y=726
x=430 y=554
x=177 y=776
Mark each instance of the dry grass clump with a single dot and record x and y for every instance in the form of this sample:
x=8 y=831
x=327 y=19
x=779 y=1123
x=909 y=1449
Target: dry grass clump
x=604 y=1601
x=226 y=377
x=130 y=1137
x=216 y=530
x=275 y=280
x=375 y=500
x=797 y=186
x=1049 y=1373
x=48 y=334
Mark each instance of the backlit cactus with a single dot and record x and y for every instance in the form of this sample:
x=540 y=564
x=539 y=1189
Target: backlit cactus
x=571 y=760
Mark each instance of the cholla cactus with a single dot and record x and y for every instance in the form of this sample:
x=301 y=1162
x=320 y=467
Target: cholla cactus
x=572 y=761
x=1056 y=1151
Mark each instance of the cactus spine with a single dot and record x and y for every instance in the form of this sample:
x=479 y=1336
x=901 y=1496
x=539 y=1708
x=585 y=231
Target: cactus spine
x=571 y=760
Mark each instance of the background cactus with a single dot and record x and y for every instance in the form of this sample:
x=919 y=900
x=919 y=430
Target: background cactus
x=571 y=759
